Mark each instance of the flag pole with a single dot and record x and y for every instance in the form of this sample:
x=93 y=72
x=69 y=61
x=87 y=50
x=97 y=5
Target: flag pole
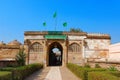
x=55 y=23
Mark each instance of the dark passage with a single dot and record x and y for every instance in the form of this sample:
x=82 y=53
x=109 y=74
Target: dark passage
x=55 y=54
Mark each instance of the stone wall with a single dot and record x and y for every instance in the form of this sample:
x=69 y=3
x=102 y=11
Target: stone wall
x=97 y=48
x=35 y=57
x=114 y=53
x=76 y=57
x=8 y=53
x=105 y=64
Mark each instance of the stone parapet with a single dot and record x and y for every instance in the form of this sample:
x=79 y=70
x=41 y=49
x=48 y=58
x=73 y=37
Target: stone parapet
x=75 y=33
x=9 y=46
x=35 y=32
x=98 y=36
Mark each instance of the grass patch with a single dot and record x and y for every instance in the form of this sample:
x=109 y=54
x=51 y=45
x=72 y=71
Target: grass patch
x=5 y=75
x=87 y=73
x=101 y=76
x=82 y=72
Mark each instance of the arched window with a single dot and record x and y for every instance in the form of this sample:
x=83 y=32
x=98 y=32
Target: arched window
x=74 y=48
x=36 y=48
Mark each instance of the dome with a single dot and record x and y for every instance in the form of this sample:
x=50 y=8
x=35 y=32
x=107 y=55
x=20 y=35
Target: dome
x=2 y=43
x=15 y=42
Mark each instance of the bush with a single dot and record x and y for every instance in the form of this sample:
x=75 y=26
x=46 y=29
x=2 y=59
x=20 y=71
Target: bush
x=82 y=72
x=5 y=75
x=22 y=72
x=20 y=58
x=112 y=68
x=97 y=66
x=87 y=66
x=101 y=76
x=115 y=73
x=6 y=69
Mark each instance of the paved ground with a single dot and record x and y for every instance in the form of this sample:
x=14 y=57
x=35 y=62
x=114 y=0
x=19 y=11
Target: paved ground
x=67 y=74
x=53 y=73
x=39 y=75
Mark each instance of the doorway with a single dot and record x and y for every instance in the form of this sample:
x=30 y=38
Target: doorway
x=55 y=54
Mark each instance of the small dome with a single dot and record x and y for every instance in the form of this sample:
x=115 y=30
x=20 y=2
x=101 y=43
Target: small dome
x=2 y=43
x=15 y=42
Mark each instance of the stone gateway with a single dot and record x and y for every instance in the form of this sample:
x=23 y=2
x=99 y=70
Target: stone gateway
x=56 y=48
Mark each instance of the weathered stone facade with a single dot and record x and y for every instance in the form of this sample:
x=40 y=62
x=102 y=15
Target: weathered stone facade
x=71 y=47
x=74 y=47
x=114 y=53
x=97 y=47
x=8 y=52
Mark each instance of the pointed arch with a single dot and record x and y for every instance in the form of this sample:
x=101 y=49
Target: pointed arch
x=54 y=59
x=36 y=48
x=74 y=48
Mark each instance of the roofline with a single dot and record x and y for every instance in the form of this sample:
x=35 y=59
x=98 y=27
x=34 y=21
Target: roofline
x=98 y=36
x=89 y=35
x=46 y=32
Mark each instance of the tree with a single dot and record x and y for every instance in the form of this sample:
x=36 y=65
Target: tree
x=21 y=58
x=75 y=30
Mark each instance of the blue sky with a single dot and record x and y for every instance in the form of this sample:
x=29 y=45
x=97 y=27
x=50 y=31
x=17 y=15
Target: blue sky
x=92 y=16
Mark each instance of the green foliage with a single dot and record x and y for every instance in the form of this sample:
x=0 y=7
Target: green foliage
x=19 y=73
x=112 y=68
x=76 y=70
x=12 y=64
x=101 y=76
x=94 y=73
x=115 y=73
x=5 y=75
x=7 y=69
x=97 y=66
x=75 y=30
x=82 y=72
x=22 y=72
x=87 y=66
x=20 y=58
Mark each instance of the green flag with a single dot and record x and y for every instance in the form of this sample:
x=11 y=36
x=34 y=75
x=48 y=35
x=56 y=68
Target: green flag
x=44 y=23
x=55 y=15
x=65 y=24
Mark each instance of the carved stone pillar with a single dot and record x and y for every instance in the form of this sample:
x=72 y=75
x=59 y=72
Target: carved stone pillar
x=64 y=55
x=27 y=53
x=26 y=50
x=83 y=49
x=45 y=53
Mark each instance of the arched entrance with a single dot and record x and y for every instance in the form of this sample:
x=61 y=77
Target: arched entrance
x=55 y=54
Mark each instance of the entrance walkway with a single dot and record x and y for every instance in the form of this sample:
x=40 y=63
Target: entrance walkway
x=53 y=73
x=39 y=75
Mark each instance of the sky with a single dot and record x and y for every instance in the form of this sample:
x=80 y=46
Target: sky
x=92 y=16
